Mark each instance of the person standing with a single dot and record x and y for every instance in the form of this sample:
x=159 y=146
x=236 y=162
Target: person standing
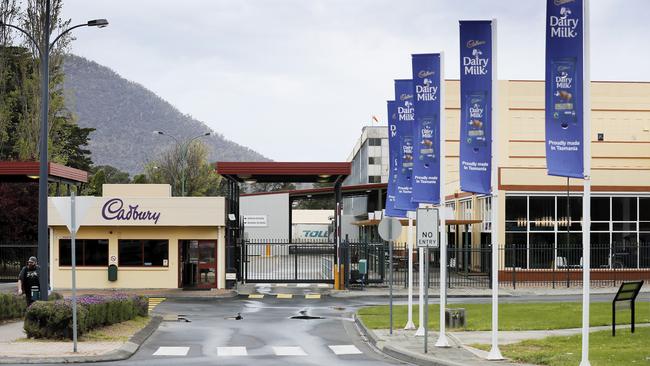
x=28 y=281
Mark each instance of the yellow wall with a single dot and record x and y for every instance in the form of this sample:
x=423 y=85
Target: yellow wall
x=134 y=277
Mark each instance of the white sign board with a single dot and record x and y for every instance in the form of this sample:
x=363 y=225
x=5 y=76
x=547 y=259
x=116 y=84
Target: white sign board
x=255 y=221
x=427 y=228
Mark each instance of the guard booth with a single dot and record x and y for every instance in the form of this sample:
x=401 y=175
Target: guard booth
x=280 y=259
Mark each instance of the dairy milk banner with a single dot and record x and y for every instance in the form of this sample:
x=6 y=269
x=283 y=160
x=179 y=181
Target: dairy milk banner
x=393 y=156
x=426 y=128
x=475 y=106
x=405 y=117
x=563 y=94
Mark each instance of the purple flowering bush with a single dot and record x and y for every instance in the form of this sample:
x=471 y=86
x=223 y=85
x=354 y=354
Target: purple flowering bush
x=53 y=319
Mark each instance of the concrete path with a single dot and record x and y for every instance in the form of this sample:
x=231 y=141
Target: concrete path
x=509 y=337
x=11 y=331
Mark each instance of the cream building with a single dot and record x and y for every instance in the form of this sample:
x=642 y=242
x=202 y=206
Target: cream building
x=152 y=239
x=533 y=212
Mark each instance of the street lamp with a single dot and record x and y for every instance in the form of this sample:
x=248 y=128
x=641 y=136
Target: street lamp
x=184 y=147
x=44 y=47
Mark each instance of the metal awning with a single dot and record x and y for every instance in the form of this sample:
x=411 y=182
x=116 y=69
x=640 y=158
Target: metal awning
x=28 y=171
x=284 y=172
x=405 y=222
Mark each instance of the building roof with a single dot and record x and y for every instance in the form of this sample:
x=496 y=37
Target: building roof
x=284 y=172
x=26 y=171
x=351 y=190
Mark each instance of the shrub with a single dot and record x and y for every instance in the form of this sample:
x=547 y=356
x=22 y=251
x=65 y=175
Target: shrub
x=53 y=319
x=11 y=306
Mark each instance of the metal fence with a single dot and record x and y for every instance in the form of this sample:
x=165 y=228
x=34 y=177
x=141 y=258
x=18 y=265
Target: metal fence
x=561 y=265
x=282 y=261
x=13 y=257
x=468 y=266
x=520 y=265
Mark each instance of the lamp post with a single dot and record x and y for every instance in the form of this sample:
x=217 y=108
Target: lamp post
x=184 y=147
x=44 y=47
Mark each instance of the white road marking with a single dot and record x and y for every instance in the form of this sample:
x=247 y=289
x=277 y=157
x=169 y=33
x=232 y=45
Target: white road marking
x=231 y=351
x=172 y=351
x=347 y=349
x=323 y=285
x=302 y=285
x=262 y=285
x=280 y=285
x=289 y=351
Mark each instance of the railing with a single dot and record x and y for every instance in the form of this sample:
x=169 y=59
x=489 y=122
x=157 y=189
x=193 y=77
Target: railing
x=561 y=265
x=13 y=257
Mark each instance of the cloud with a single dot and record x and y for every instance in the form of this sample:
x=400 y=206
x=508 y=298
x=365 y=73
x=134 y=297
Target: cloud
x=296 y=79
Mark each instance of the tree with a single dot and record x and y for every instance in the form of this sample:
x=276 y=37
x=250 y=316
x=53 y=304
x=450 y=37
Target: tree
x=20 y=89
x=200 y=177
x=327 y=202
x=104 y=174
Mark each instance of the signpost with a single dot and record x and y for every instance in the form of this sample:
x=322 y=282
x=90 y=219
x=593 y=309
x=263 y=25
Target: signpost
x=390 y=229
x=427 y=237
x=627 y=292
x=71 y=212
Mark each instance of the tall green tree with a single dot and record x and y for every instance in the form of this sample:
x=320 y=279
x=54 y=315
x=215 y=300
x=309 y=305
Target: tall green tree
x=200 y=177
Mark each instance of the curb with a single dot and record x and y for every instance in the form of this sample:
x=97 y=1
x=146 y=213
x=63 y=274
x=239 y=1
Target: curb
x=398 y=353
x=124 y=352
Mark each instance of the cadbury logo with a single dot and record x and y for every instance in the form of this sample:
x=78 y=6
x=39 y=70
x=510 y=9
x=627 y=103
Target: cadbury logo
x=114 y=210
x=562 y=2
x=474 y=43
x=405 y=96
x=425 y=73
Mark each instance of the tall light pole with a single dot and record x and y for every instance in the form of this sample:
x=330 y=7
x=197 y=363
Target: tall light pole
x=184 y=147
x=44 y=47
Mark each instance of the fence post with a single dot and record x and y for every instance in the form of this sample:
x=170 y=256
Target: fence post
x=295 y=260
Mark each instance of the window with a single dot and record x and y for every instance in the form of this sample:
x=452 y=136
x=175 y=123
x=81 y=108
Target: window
x=143 y=252
x=374 y=160
x=374 y=179
x=88 y=252
x=542 y=213
x=575 y=206
x=516 y=213
x=374 y=142
x=623 y=208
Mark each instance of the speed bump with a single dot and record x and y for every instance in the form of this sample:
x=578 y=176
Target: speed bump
x=256 y=296
x=312 y=296
x=285 y=296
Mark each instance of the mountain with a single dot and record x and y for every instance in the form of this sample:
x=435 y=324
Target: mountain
x=125 y=114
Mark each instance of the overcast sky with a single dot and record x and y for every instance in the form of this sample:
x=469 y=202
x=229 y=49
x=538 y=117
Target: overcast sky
x=297 y=79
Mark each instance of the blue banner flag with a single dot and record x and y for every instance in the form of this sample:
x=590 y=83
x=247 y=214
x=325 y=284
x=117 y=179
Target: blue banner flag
x=564 y=94
x=404 y=106
x=426 y=128
x=475 y=106
x=393 y=155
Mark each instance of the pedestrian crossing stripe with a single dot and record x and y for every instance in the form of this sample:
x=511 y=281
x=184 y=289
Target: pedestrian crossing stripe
x=312 y=296
x=285 y=296
x=239 y=351
x=155 y=301
x=256 y=296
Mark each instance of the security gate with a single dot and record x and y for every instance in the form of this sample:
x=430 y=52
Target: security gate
x=280 y=261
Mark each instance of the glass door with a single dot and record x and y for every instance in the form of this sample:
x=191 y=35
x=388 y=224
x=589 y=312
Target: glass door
x=207 y=264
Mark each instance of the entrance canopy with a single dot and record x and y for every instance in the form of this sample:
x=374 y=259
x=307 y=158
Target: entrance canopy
x=276 y=172
x=27 y=171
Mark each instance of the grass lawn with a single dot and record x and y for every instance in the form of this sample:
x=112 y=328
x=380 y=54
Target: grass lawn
x=120 y=332
x=604 y=350
x=512 y=316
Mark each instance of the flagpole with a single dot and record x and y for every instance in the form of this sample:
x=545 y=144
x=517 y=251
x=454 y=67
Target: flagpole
x=442 y=338
x=586 y=200
x=495 y=353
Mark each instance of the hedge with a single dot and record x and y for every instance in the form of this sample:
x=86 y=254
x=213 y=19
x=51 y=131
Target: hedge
x=13 y=306
x=53 y=319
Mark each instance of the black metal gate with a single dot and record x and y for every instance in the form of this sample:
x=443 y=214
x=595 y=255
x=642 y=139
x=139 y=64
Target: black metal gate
x=12 y=258
x=280 y=261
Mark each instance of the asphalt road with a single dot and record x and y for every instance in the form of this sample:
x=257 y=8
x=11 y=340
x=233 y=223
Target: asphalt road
x=266 y=335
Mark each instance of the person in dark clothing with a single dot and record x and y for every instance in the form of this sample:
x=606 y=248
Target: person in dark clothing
x=28 y=280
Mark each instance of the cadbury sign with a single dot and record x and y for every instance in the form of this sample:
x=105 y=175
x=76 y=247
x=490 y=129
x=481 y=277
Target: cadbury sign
x=114 y=209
